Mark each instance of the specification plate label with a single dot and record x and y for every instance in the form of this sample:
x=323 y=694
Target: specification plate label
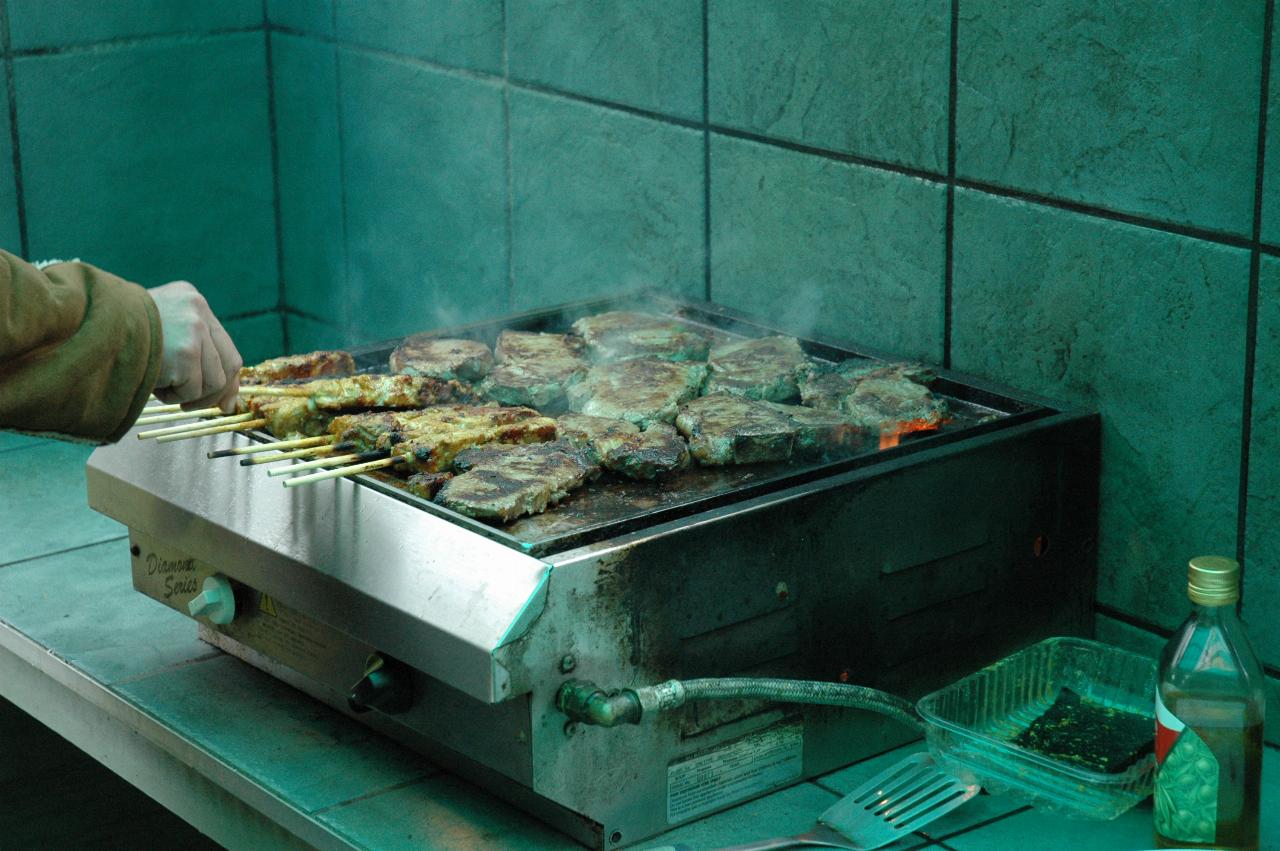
x=708 y=781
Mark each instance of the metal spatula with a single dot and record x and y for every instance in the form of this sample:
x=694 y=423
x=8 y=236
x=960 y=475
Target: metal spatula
x=898 y=800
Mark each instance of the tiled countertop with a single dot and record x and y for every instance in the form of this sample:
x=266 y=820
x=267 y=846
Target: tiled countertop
x=254 y=763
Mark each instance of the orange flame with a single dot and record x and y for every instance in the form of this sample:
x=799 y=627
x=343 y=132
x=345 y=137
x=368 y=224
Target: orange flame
x=891 y=435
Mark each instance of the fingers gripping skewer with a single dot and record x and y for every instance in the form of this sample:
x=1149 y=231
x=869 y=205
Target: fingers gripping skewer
x=200 y=426
x=178 y=415
x=342 y=471
x=296 y=443
x=217 y=429
x=337 y=460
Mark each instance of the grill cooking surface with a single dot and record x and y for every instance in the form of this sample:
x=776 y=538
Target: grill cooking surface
x=611 y=506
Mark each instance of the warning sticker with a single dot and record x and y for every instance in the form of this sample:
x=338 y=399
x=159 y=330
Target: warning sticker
x=742 y=768
x=267 y=606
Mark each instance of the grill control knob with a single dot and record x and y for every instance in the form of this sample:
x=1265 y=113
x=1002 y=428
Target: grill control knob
x=216 y=601
x=385 y=685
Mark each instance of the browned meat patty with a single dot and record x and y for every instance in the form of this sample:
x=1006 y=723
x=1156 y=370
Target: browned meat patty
x=427 y=485
x=657 y=450
x=725 y=429
x=623 y=335
x=766 y=368
x=638 y=391
x=464 y=360
x=534 y=369
x=585 y=430
x=876 y=396
x=297 y=367
x=504 y=485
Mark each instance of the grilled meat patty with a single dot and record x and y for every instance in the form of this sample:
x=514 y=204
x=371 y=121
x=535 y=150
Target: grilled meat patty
x=294 y=367
x=505 y=484
x=463 y=360
x=874 y=395
x=427 y=485
x=638 y=391
x=726 y=429
x=623 y=335
x=534 y=369
x=766 y=368
x=657 y=450
x=620 y=446
x=430 y=439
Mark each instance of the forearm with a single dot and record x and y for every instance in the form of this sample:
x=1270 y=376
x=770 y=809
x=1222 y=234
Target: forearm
x=79 y=350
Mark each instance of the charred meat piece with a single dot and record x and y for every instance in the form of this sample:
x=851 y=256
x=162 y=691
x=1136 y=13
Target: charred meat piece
x=657 y=450
x=427 y=485
x=534 y=369
x=765 y=368
x=287 y=416
x=585 y=430
x=621 y=447
x=623 y=335
x=431 y=438
x=820 y=433
x=826 y=385
x=384 y=391
x=463 y=360
x=297 y=367
x=504 y=485
x=876 y=396
x=638 y=391
x=725 y=429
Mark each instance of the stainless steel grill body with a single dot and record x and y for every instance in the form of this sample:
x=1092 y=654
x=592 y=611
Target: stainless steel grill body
x=903 y=570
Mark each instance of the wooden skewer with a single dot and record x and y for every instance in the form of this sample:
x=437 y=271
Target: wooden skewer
x=342 y=471
x=218 y=429
x=160 y=409
x=179 y=415
x=266 y=390
x=325 y=462
x=296 y=443
x=200 y=426
x=309 y=452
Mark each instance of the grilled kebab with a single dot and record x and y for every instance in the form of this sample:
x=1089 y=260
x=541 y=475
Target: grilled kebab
x=320 y=364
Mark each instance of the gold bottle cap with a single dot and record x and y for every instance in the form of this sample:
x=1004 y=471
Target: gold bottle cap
x=1213 y=580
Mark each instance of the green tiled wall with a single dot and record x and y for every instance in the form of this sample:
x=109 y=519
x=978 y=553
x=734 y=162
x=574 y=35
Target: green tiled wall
x=1060 y=196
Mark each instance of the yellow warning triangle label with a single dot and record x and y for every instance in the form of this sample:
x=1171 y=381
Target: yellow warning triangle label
x=267 y=606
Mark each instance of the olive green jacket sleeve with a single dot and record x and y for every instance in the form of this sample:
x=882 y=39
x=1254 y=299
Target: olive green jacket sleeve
x=79 y=350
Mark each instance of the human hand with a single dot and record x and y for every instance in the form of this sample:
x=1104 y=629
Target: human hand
x=200 y=366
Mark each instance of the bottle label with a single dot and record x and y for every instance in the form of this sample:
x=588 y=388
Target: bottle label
x=1186 y=793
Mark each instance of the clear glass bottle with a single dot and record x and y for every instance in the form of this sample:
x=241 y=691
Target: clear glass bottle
x=1210 y=705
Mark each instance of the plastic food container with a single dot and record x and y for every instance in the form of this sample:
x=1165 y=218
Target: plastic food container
x=971 y=723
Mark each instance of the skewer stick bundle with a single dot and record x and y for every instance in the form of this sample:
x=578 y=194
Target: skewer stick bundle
x=342 y=471
x=296 y=443
x=160 y=409
x=218 y=429
x=309 y=452
x=200 y=426
x=336 y=461
x=178 y=415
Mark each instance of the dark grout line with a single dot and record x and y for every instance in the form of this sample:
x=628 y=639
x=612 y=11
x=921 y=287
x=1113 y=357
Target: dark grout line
x=1251 y=323
x=250 y=314
x=131 y=41
x=65 y=550
x=985 y=823
x=273 y=130
x=1154 y=628
x=949 y=249
x=24 y=241
x=342 y=165
x=1205 y=234
x=404 y=784
x=706 y=152
x=1192 y=231
x=304 y=314
x=506 y=146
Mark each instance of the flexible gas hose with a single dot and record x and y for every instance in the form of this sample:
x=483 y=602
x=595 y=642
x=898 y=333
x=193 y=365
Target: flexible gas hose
x=584 y=701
